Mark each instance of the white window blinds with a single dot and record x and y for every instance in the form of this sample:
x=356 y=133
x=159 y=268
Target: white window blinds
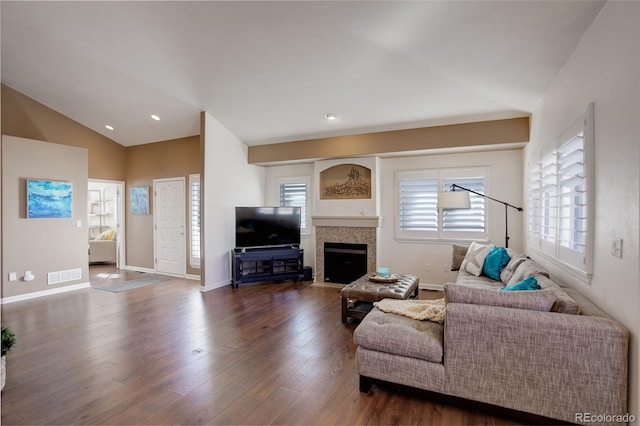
x=194 y=220
x=466 y=220
x=535 y=201
x=558 y=198
x=294 y=194
x=418 y=216
x=418 y=205
x=572 y=205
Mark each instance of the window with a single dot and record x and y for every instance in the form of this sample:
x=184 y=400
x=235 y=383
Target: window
x=418 y=217
x=466 y=220
x=293 y=193
x=194 y=220
x=559 y=202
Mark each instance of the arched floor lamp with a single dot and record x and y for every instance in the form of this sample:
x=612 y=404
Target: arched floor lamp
x=460 y=200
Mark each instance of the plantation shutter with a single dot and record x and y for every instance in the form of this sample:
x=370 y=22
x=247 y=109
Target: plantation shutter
x=572 y=194
x=559 y=205
x=418 y=216
x=549 y=197
x=466 y=220
x=418 y=205
x=534 y=210
x=194 y=219
x=295 y=195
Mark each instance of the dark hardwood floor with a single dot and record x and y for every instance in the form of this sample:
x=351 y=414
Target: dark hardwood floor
x=169 y=354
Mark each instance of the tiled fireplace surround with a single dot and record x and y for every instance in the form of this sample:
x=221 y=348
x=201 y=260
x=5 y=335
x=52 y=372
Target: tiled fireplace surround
x=354 y=230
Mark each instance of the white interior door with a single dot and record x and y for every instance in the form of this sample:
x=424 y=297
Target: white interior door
x=169 y=232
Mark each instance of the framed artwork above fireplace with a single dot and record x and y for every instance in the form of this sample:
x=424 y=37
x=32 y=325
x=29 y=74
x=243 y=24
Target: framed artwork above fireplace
x=345 y=182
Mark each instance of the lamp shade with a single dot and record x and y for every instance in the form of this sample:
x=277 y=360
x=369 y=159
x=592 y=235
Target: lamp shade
x=454 y=200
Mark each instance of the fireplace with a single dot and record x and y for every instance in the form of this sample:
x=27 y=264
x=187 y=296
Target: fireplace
x=344 y=262
x=348 y=230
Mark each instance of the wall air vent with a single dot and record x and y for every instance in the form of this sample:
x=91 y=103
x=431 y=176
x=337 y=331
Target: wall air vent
x=64 y=276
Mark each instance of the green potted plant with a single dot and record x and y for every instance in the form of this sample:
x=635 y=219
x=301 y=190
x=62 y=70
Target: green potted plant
x=8 y=340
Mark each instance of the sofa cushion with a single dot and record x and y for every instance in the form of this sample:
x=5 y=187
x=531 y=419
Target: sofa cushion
x=495 y=262
x=514 y=262
x=474 y=259
x=399 y=335
x=539 y=300
x=466 y=278
x=457 y=256
x=564 y=303
x=529 y=283
x=526 y=269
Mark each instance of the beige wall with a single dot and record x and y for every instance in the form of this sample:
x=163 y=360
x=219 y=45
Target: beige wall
x=167 y=159
x=108 y=160
x=494 y=132
x=35 y=244
x=26 y=118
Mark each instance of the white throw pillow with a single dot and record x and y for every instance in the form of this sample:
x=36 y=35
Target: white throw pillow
x=474 y=259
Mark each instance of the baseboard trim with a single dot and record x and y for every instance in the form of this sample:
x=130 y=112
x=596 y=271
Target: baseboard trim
x=436 y=287
x=153 y=271
x=49 y=292
x=138 y=269
x=209 y=287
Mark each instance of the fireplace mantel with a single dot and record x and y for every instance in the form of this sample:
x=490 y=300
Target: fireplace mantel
x=346 y=221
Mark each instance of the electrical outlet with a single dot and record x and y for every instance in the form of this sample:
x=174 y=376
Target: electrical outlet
x=13 y=276
x=427 y=266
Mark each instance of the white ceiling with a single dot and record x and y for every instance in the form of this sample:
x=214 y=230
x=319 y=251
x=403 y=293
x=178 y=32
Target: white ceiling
x=269 y=71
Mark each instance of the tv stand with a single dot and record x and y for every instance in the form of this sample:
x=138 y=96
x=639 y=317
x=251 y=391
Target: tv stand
x=266 y=264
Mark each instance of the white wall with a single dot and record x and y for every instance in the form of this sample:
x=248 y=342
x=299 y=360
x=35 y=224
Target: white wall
x=272 y=198
x=229 y=181
x=605 y=69
x=504 y=183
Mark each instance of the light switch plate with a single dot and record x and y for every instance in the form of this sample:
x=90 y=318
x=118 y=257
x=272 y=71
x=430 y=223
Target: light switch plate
x=616 y=247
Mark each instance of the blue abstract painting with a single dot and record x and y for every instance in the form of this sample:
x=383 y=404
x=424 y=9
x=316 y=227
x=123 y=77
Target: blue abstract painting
x=140 y=199
x=49 y=199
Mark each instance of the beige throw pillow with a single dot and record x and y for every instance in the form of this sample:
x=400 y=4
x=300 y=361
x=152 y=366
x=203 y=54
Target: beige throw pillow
x=474 y=259
x=459 y=252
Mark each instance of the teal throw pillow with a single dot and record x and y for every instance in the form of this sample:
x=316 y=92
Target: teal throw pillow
x=495 y=262
x=529 y=283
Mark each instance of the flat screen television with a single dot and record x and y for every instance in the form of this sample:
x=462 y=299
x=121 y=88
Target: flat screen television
x=267 y=226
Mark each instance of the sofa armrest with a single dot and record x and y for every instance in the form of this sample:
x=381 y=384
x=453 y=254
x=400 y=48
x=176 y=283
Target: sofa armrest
x=550 y=364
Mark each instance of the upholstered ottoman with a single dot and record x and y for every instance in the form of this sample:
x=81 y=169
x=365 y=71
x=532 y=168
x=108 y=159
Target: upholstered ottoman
x=358 y=297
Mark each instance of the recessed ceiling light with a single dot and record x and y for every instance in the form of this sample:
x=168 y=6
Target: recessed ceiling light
x=330 y=117
x=108 y=127
x=155 y=117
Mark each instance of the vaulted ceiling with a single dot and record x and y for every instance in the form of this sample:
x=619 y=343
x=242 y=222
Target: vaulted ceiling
x=269 y=71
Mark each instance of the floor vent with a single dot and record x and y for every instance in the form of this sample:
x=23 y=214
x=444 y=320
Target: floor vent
x=64 y=276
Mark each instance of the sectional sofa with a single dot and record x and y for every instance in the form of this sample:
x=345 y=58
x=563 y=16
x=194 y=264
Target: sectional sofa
x=549 y=353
